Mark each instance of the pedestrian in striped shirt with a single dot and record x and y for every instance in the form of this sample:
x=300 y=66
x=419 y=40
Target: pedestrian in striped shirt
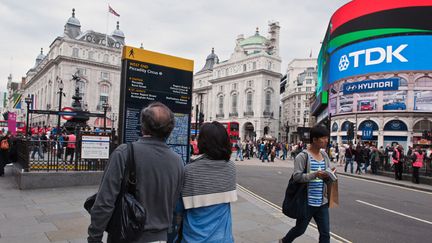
x=316 y=161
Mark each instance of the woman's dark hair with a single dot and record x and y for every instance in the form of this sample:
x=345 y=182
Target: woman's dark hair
x=318 y=131
x=213 y=140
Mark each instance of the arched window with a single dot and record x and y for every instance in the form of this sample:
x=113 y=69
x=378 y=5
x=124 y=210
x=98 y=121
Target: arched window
x=422 y=126
x=395 y=125
x=424 y=81
x=335 y=127
x=267 y=101
x=234 y=103
x=368 y=123
x=403 y=82
x=345 y=126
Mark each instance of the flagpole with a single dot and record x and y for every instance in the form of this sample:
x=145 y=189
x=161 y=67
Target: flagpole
x=106 y=33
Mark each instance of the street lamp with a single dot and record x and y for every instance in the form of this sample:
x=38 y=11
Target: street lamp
x=28 y=100
x=105 y=107
x=60 y=86
x=304 y=118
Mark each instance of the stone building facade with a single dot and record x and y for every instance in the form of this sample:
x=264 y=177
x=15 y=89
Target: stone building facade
x=244 y=88
x=94 y=57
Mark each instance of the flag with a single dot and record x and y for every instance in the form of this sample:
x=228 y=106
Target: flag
x=113 y=11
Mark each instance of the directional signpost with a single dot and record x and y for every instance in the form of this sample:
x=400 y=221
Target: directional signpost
x=149 y=77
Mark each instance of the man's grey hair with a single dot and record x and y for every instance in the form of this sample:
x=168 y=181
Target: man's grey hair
x=157 y=120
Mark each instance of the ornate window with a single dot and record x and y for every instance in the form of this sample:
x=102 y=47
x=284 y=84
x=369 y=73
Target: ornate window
x=249 y=102
x=234 y=104
x=423 y=82
x=220 y=104
x=104 y=90
x=267 y=101
x=75 y=52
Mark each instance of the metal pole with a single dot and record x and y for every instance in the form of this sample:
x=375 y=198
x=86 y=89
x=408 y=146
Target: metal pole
x=59 y=109
x=105 y=111
x=196 y=120
x=355 y=133
x=27 y=121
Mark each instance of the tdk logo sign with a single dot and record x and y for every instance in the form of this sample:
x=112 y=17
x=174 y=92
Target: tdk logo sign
x=372 y=56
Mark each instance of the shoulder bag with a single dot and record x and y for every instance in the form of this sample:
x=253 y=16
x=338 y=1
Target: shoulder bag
x=295 y=203
x=129 y=216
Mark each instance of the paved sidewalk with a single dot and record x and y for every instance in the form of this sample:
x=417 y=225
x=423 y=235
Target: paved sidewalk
x=57 y=215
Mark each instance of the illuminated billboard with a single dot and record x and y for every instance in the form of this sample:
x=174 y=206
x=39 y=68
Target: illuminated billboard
x=391 y=54
x=359 y=20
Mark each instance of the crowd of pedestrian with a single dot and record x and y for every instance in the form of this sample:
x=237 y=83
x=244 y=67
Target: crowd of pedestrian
x=266 y=150
x=392 y=158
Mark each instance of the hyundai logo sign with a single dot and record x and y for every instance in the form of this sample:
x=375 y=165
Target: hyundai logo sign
x=371 y=86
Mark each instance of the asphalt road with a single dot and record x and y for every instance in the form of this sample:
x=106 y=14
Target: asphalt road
x=368 y=211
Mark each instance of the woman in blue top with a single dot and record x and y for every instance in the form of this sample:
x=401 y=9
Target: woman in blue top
x=317 y=162
x=209 y=188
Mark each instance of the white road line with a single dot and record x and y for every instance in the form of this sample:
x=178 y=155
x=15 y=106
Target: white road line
x=395 y=212
x=279 y=209
x=385 y=184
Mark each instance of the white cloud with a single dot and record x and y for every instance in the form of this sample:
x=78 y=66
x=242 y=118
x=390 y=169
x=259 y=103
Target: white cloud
x=188 y=28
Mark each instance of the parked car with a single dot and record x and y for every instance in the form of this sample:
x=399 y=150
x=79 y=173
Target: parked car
x=397 y=105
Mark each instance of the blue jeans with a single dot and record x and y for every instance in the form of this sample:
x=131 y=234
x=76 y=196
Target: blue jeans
x=239 y=154
x=349 y=161
x=322 y=219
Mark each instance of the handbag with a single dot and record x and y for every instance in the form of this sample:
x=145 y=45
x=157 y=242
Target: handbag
x=129 y=216
x=295 y=202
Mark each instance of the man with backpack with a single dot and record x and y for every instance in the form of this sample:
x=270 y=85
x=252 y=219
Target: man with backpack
x=4 y=152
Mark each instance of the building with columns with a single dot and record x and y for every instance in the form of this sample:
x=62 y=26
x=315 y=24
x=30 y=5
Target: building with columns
x=297 y=86
x=94 y=57
x=244 y=88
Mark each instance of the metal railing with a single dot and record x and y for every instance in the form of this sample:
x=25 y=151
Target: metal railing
x=385 y=165
x=51 y=155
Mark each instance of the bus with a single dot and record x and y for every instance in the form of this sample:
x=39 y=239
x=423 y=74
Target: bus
x=20 y=127
x=231 y=127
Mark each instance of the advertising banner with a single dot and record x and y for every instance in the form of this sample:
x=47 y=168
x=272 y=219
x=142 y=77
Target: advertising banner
x=95 y=147
x=12 y=123
x=371 y=85
x=367 y=133
x=423 y=100
x=401 y=53
x=149 y=77
x=367 y=101
x=394 y=100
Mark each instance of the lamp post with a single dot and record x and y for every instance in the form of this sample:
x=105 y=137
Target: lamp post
x=28 y=100
x=60 y=86
x=105 y=107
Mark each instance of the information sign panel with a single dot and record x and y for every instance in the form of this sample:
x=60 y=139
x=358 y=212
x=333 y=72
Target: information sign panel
x=95 y=147
x=149 y=77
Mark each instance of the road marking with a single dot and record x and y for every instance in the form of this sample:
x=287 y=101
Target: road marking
x=279 y=209
x=395 y=212
x=386 y=184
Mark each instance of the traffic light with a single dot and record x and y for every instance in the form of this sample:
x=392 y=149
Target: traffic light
x=424 y=134
x=201 y=118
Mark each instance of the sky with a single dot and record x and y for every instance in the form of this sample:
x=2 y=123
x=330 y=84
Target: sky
x=186 y=28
